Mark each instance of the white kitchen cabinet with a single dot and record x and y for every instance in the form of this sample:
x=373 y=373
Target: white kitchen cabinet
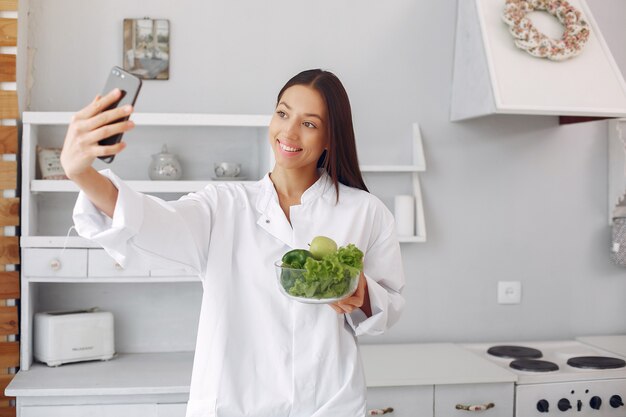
x=102 y=265
x=54 y=262
x=448 y=397
x=93 y=410
x=406 y=401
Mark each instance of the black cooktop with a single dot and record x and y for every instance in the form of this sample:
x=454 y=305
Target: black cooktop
x=514 y=352
x=596 y=362
x=533 y=365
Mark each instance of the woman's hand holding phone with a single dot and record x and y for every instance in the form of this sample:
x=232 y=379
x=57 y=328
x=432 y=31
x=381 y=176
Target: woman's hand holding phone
x=90 y=125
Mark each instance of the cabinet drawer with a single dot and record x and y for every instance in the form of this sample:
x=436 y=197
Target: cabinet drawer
x=96 y=410
x=407 y=401
x=102 y=265
x=171 y=410
x=448 y=396
x=54 y=262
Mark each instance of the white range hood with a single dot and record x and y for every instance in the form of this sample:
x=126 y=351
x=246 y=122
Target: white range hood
x=492 y=76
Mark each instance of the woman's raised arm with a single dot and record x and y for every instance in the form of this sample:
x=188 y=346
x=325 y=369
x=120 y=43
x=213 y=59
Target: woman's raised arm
x=88 y=126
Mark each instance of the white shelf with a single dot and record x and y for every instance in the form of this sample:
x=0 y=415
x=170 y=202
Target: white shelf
x=160 y=119
x=56 y=242
x=126 y=374
x=412 y=239
x=141 y=186
x=79 y=242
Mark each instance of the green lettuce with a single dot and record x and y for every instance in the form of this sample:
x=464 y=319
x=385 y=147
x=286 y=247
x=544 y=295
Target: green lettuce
x=329 y=277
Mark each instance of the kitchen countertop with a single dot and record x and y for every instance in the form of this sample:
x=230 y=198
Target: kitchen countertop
x=170 y=373
x=612 y=343
x=428 y=364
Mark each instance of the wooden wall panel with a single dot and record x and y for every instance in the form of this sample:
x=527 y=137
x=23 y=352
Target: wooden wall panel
x=8 y=321
x=9 y=212
x=8 y=175
x=7 y=68
x=8 y=32
x=9 y=354
x=9 y=250
x=8 y=104
x=8 y=5
x=8 y=139
x=9 y=285
x=4 y=381
x=7 y=412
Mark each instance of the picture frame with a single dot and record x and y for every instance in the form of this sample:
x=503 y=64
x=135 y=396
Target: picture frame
x=147 y=48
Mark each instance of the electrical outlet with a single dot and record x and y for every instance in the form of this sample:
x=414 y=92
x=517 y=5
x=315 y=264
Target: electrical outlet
x=509 y=292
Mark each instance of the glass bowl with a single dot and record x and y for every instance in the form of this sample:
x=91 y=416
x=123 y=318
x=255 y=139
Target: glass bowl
x=287 y=277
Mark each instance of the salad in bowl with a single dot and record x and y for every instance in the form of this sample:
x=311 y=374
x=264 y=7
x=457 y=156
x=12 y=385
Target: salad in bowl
x=323 y=274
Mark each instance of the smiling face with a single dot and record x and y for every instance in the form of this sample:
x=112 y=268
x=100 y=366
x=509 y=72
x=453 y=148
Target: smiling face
x=298 y=130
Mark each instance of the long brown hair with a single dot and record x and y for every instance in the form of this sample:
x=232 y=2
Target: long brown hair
x=340 y=160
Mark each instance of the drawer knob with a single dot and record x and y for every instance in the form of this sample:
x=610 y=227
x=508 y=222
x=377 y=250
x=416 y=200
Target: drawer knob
x=118 y=266
x=477 y=407
x=55 y=264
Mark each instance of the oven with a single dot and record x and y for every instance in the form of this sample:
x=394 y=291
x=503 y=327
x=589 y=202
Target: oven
x=561 y=377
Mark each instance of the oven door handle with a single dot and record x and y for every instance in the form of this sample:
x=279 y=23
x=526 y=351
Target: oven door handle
x=477 y=407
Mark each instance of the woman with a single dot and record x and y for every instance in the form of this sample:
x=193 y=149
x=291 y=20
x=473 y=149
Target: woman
x=257 y=352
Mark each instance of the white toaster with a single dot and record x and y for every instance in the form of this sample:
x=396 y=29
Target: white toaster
x=73 y=336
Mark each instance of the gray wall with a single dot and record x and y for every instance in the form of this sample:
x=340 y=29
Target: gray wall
x=506 y=197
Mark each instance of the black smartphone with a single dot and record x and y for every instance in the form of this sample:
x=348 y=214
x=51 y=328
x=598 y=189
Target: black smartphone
x=129 y=85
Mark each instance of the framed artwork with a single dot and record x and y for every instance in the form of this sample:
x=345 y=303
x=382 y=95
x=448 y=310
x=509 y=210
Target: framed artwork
x=147 y=48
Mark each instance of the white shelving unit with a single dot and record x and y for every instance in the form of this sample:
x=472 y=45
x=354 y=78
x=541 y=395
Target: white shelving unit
x=59 y=269
x=34 y=188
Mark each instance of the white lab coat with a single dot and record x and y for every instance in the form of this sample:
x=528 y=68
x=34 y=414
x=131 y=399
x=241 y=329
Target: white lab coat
x=257 y=352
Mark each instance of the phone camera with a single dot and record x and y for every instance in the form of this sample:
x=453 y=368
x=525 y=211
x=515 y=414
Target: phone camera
x=122 y=75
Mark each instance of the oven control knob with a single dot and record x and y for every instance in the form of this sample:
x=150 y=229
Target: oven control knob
x=616 y=401
x=564 y=404
x=595 y=402
x=543 y=406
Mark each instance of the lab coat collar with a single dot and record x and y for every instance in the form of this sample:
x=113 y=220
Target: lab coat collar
x=272 y=219
x=319 y=188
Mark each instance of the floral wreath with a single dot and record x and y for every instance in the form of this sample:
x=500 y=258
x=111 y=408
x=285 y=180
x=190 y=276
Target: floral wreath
x=528 y=38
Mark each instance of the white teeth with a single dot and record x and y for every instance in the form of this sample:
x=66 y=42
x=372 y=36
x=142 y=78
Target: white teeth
x=288 y=149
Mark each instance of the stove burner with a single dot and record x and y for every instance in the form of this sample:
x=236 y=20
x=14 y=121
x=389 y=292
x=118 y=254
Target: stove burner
x=534 y=365
x=514 y=352
x=596 y=362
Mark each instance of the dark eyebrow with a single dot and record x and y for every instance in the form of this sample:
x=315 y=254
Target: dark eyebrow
x=306 y=114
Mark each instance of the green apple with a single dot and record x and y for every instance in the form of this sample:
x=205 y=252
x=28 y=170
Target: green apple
x=321 y=246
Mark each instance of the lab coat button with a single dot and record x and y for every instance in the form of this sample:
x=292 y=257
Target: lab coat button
x=267 y=220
